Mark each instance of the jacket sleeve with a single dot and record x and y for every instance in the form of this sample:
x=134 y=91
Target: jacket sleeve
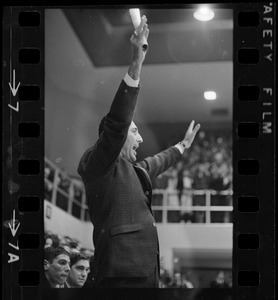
x=160 y=162
x=100 y=157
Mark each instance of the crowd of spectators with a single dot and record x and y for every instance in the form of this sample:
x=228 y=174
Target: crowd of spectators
x=206 y=166
x=66 y=187
x=79 y=268
x=72 y=246
x=183 y=279
x=177 y=280
x=68 y=243
x=220 y=281
x=62 y=180
x=167 y=280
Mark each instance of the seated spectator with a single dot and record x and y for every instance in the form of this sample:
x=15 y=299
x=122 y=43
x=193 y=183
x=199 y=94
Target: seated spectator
x=179 y=283
x=49 y=172
x=63 y=182
x=56 y=240
x=173 y=197
x=74 y=247
x=186 y=198
x=56 y=267
x=66 y=247
x=87 y=252
x=48 y=191
x=200 y=183
x=219 y=281
x=80 y=268
x=48 y=241
x=187 y=283
x=46 y=172
x=67 y=240
x=165 y=279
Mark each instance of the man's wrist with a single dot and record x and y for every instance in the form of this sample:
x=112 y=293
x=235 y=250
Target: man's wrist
x=130 y=81
x=183 y=144
x=134 y=70
x=181 y=147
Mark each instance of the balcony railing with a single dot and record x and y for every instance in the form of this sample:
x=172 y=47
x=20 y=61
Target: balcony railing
x=195 y=206
x=169 y=206
x=65 y=192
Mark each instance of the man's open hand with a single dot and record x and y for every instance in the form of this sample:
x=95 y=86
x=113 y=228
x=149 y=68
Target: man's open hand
x=138 y=39
x=190 y=134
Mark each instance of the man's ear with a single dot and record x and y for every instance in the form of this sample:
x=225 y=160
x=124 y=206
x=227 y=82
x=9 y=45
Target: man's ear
x=45 y=265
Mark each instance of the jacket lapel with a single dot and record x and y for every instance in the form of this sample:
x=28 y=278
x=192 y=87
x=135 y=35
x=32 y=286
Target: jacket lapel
x=145 y=181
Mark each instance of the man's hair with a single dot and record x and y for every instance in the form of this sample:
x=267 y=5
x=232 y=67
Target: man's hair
x=101 y=126
x=75 y=257
x=51 y=253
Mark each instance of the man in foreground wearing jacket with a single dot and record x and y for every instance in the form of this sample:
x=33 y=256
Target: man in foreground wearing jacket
x=119 y=191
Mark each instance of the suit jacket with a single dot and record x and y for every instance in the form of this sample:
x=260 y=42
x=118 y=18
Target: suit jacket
x=119 y=196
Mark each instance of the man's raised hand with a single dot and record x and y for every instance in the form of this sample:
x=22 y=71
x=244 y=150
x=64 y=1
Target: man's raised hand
x=138 y=41
x=190 y=134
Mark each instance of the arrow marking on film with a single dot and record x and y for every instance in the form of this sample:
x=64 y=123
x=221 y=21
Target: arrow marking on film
x=13 y=88
x=13 y=227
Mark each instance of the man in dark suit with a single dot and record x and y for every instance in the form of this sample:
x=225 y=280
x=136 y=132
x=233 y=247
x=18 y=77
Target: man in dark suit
x=119 y=191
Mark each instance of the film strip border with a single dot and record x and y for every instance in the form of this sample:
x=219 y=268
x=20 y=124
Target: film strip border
x=253 y=152
x=23 y=151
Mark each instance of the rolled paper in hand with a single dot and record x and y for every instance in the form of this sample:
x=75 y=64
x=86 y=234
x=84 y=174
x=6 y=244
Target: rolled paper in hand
x=135 y=17
x=136 y=20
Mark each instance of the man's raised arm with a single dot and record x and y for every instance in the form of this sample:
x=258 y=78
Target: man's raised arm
x=137 y=50
x=114 y=126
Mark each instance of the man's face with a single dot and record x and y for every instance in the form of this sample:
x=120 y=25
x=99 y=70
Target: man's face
x=57 y=271
x=132 y=143
x=79 y=273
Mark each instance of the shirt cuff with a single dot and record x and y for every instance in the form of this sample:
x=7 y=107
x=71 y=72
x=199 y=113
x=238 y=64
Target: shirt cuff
x=180 y=147
x=131 y=82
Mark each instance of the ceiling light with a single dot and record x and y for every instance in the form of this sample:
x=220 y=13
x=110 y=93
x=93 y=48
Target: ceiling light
x=204 y=14
x=210 y=95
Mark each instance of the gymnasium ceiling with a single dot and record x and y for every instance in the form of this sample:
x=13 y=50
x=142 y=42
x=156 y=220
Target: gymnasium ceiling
x=186 y=57
x=175 y=36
